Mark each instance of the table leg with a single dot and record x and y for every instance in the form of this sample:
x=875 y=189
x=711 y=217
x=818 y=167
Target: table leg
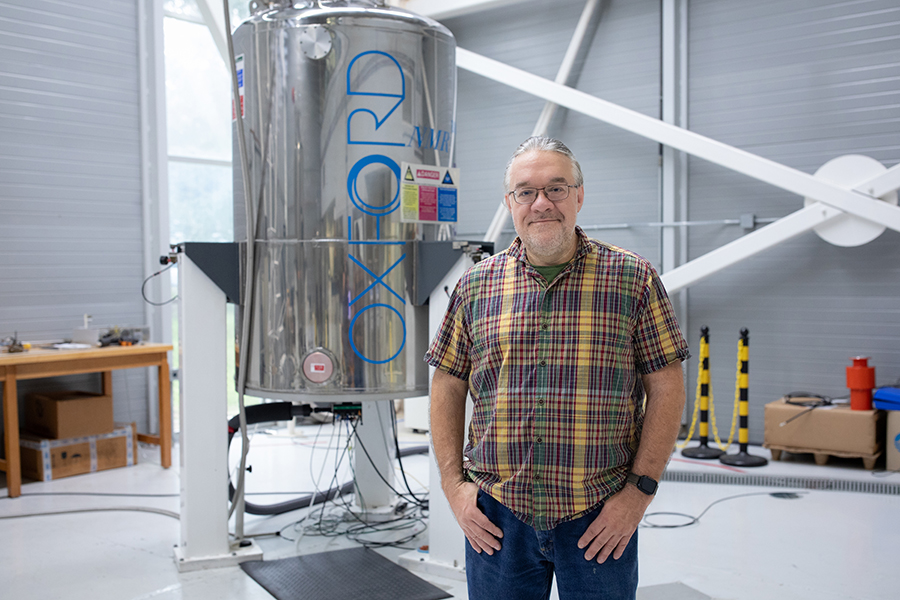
x=11 y=433
x=106 y=388
x=165 y=414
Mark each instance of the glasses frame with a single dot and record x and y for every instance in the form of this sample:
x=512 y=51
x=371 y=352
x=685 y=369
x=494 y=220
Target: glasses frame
x=514 y=193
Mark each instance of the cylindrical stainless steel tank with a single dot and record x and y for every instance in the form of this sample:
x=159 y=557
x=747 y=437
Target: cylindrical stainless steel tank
x=335 y=96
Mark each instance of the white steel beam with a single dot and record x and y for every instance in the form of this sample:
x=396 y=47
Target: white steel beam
x=563 y=76
x=760 y=168
x=213 y=16
x=576 y=45
x=753 y=243
x=154 y=179
x=203 y=446
x=885 y=183
x=673 y=188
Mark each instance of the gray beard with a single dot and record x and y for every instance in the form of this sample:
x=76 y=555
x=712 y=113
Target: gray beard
x=555 y=246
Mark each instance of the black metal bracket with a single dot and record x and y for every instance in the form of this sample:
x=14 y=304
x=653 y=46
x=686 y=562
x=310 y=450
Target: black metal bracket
x=221 y=261
x=433 y=260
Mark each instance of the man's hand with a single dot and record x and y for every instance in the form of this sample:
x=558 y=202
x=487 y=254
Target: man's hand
x=612 y=529
x=481 y=533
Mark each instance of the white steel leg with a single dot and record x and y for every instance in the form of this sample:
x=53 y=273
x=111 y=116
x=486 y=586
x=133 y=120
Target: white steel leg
x=446 y=543
x=374 y=432
x=203 y=416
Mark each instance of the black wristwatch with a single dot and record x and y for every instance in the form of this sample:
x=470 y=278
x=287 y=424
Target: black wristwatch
x=646 y=484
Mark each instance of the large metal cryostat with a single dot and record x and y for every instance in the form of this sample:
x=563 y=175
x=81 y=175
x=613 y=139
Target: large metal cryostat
x=335 y=96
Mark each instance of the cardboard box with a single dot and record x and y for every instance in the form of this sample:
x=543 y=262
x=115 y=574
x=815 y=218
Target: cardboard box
x=46 y=460
x=832 y=428
x=893 y=440
x=68 y=414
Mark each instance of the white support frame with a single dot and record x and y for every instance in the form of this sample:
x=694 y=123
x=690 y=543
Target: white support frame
x=856 y=202
x=673 y=188
x=446 y=555
x=885 y=183
x=203 y=449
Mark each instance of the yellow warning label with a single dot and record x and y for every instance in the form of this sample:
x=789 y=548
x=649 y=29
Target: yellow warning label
x=409 y=202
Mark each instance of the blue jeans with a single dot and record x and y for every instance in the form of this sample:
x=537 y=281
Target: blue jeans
x=523 y=568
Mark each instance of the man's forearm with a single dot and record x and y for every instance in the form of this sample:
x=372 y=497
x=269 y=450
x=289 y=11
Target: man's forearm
x=448 y=421
x=662 y=420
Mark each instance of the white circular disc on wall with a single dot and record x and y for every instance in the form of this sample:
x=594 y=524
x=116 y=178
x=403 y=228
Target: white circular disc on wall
x=849 y=171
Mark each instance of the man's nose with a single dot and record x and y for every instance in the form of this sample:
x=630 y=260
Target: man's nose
x=541 y=201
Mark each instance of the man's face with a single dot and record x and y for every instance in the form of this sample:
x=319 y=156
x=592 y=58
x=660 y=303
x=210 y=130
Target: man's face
x=547 y=228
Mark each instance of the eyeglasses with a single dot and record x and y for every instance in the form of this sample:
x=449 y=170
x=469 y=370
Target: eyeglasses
x=554 y=193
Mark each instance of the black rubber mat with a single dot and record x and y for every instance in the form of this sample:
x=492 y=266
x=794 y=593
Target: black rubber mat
x=353 y=574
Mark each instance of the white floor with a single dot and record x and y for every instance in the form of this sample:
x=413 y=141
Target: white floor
x=827 y=545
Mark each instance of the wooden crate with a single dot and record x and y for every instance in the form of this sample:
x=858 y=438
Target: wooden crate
x=46 y=459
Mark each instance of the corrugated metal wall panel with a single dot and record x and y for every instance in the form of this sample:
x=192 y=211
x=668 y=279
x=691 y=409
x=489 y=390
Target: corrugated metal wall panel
x=70 y=179
x=622 y=65
x=799 y=82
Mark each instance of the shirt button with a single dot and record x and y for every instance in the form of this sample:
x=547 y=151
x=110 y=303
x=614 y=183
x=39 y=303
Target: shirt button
x=540 y=401
x=539 y=440
x=543 y=363
x=537 y=476
x=544 y=326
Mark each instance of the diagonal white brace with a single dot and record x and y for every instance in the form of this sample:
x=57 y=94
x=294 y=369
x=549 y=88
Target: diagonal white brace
x=885 y=183
x=741 y=161
x=576 y=45
x=753 y=243
x=211 y=11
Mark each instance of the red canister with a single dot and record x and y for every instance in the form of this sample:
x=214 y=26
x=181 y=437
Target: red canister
x=860 y=380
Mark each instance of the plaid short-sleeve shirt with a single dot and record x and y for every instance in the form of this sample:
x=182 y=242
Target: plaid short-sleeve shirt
x=554 y=371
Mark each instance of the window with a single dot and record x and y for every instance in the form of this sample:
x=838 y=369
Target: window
x=198 y=115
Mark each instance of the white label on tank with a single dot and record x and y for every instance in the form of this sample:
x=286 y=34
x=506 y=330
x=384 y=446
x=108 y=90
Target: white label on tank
x=239 y=67
x=428 y=194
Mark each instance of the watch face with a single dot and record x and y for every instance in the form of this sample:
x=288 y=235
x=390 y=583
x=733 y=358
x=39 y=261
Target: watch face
x=646 y=485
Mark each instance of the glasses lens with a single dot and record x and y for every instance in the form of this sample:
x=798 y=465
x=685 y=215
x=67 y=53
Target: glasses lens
x=555 y=193
x=525 y=195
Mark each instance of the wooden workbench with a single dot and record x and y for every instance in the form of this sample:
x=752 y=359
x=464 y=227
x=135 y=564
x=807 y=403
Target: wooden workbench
x=37 y=363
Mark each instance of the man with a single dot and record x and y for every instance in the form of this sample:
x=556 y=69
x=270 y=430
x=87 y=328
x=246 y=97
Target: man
x=557 y=339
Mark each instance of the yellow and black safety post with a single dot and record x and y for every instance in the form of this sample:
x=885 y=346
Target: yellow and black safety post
x=742 y=458
x=703 y=451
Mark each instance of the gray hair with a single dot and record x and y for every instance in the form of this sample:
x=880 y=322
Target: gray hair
x=543 y=144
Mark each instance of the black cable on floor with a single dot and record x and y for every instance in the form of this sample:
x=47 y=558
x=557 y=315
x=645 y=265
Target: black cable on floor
x=692 y=520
